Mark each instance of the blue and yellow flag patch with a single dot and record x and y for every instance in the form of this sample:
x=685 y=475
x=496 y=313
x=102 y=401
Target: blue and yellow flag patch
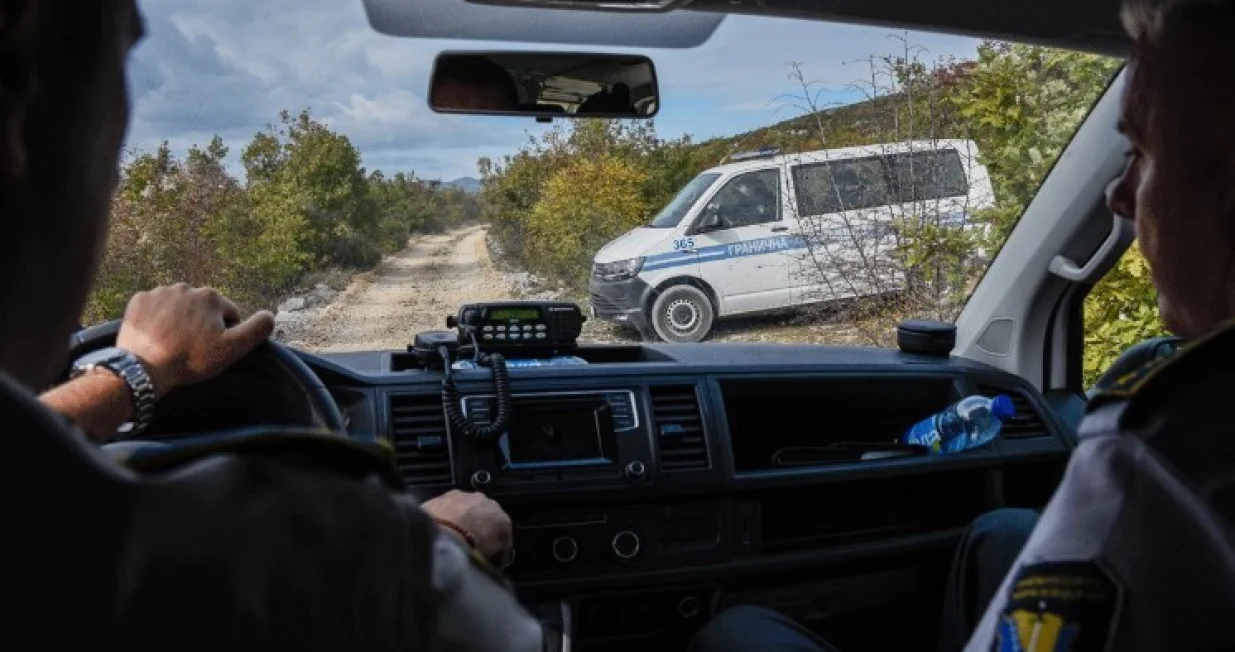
x=1058 y=607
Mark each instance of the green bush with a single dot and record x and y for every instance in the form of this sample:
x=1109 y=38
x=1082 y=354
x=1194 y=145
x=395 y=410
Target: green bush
x=565 y=194
x=1121 y=310
x=1025 y=103
x=582 y=206
x=306 y=205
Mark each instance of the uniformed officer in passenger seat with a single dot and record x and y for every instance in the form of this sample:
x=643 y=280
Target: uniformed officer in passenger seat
x=1136 y=550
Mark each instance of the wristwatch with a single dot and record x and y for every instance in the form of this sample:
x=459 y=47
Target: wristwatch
x=130 y=370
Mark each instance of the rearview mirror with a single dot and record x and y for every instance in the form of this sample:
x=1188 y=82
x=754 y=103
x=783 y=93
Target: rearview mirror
x=544 y=84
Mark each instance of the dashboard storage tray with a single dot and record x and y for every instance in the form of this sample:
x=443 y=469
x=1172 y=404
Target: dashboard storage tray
x=774 y=419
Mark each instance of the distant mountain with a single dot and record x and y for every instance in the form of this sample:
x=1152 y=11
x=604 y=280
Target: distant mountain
x=470 y=185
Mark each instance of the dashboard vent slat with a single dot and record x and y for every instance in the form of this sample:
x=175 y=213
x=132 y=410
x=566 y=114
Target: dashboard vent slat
x=678 y=425
x=1025 y=423
x=418 y=434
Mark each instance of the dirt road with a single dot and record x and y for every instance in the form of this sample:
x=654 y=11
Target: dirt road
x=409 y=292
x=414 y=291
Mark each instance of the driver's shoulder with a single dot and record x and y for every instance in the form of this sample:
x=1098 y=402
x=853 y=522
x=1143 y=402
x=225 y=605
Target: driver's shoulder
x=280 y=484
x=299 y=511
x=311 y=449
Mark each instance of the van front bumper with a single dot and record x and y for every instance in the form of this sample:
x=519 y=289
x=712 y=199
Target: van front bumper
x=621 y=301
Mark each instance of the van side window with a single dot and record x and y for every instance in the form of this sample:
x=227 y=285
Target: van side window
x=935 y=174
x=838 y=186
x=750 y=198
x=854 y=184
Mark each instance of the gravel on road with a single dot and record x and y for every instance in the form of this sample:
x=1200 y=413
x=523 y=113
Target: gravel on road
x=409 y=292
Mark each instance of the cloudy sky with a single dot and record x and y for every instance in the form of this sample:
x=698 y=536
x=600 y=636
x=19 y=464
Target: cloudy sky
x=228 y=67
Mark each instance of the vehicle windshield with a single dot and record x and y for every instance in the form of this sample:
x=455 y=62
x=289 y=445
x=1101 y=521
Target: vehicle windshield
x=290 y=160
x=677 y=208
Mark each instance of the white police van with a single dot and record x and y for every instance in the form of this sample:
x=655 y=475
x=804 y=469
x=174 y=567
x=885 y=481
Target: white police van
x=733 y=239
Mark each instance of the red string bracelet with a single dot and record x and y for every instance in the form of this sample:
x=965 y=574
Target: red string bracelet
x=467 y=536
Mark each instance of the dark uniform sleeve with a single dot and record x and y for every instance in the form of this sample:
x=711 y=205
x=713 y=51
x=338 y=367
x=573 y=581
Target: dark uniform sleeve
x=1136 y=550
x=279 y=541
x=302 y=545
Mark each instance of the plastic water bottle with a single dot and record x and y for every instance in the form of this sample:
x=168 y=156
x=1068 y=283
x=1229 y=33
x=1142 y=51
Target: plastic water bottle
x=969 y=423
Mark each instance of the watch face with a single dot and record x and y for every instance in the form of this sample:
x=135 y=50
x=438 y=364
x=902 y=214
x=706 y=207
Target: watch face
x=102 y=356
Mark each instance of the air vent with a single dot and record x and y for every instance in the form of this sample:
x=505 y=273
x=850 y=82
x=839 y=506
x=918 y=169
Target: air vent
x=418 y=432
x=1025 y=422
x=679 y=428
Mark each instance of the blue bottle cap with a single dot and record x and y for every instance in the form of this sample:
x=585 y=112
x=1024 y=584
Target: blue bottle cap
x=1002 y=407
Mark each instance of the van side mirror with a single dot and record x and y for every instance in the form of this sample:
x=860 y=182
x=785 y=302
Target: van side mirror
x=710 y=220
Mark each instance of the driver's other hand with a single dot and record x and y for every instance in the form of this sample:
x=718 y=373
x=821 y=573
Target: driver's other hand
x=479 y=516
x=185 y=335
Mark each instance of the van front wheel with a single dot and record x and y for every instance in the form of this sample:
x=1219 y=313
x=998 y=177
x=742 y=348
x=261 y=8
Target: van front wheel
x=682 y=313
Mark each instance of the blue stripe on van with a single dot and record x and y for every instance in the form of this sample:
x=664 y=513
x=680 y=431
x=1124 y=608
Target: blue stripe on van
x=757 y=247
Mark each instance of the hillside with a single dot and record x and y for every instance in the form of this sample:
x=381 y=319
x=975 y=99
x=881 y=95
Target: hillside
x=469 y=185
x=872 y=121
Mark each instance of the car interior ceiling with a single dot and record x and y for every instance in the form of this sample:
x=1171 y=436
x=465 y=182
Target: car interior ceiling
x=1090 y=26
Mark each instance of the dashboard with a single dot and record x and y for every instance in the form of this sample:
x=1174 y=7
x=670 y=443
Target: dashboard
x=652 y=486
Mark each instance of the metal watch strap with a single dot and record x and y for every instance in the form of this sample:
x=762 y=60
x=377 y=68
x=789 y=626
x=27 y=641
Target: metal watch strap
x=141 y=389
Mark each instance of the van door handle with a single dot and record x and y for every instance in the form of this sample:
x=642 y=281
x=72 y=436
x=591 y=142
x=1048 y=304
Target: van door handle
x=779 y=229
x=687 y=251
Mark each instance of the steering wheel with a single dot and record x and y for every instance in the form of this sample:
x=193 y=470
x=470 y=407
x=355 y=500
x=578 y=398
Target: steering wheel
x=270 y=386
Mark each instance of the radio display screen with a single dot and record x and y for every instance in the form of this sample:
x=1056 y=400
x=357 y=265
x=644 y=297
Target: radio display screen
x=561 y=432
x=508 y=314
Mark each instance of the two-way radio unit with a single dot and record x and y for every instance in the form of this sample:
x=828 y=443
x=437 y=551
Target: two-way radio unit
x=519 y=326
x=492 y=331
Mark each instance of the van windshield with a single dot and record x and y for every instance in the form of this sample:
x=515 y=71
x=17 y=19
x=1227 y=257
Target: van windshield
x=671 y=215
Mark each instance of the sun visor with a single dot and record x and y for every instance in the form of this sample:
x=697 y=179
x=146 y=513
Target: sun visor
x=458 y=19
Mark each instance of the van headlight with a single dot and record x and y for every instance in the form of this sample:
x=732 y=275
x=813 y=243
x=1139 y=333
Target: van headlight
x=618 y=270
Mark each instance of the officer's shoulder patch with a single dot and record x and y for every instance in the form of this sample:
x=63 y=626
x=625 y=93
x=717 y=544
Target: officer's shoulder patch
x=1149 y=382
x=1059 y=606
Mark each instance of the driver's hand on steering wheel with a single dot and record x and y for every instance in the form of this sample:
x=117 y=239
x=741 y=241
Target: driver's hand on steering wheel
x=185 y=335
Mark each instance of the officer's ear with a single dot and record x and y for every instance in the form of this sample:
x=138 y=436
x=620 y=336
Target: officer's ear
x=18 y=49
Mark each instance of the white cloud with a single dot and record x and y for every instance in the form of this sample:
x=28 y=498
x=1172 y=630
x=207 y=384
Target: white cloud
x=229 y=67
x=393 y=109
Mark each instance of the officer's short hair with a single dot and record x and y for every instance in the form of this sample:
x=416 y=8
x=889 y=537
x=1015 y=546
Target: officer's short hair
x=1144 y=19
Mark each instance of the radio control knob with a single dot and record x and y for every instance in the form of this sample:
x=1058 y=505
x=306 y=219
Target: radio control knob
x=636 y=470
x=471 y=317
x=565 y=549
x=626 y=544
x=481 y=479
x=689 y=607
